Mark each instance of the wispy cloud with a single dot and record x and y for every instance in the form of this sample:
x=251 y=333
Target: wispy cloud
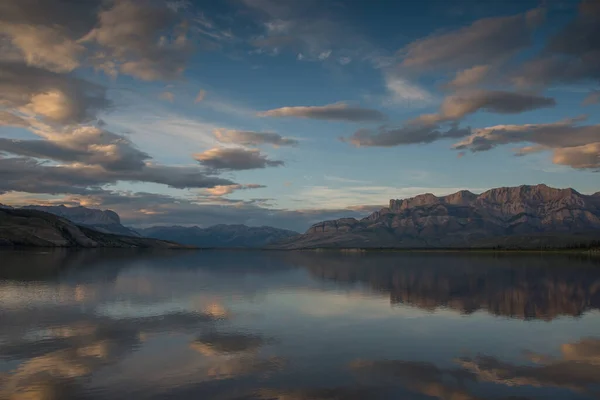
x=334 y=112
x=352 y=196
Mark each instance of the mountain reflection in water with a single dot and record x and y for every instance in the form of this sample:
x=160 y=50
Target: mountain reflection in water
x=297 y=325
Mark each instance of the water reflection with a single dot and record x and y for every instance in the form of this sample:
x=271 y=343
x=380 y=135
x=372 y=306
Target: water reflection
x=528 y=287
x=288 y=326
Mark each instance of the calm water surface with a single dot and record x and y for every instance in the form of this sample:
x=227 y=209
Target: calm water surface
x=297 y=326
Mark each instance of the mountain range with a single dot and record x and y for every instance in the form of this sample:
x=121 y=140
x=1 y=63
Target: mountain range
x=105 y=221
x=519 y=217
x=23 y=227
x=220 y=235
x=109 y=222
x=507 y=217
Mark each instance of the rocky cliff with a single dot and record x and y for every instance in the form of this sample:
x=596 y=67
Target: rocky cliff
x=19 y=227
x=465 y=219
x=106 y=221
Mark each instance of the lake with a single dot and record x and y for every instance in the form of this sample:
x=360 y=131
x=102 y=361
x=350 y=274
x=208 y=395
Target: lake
x=297 y=325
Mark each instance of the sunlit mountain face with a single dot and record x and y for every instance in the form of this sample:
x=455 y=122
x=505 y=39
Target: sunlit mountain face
x=287 y=113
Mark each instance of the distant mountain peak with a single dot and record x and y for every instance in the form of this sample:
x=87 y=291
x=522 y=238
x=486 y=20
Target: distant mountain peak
x=461 y=219
x=222 y=235
x=106 y=221
x=80 y=214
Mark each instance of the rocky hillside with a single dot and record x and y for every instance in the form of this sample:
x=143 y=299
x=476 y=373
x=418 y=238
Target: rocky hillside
x=106 y=221
x=524 y=216
x=220 y=235
x=19 y=227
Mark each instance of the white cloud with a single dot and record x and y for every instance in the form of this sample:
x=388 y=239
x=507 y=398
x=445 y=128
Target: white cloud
x=201 y=95
x=403 y=92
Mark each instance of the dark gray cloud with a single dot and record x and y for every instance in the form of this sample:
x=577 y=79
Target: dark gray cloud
x=173 y=176
x=250 y=138
x=23 y=174
x=88 y=145
x=54 y=97
x=145 y=39
x=32 y=176
x=404 y=135
x=334 y=393
x=497 y=101
x=428 y=128
x=334 y=112
x=235 y=159
x=133 y=41
x=45 y=32
x=572 y=55
x=485 y=41
x=574 y=145
x=40 y=149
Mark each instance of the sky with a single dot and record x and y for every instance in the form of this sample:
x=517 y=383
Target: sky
x=286 y=113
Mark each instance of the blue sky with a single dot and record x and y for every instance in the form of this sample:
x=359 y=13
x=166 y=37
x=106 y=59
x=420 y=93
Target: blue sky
x=146 y=107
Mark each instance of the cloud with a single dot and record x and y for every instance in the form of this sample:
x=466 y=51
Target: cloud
x=592 y=98
x=312 y=30
x=334 y=112
x=335 y=393
x=324 y=55
x=485 y=41
x=427 y=127
x=222 y=190
x=24 y=174
x=236 y=159
x=572 y=55
x=133 y=40
x=54 y=97
x=574 y=145
x=497 y=101
x=168 y=96
x=45 y=47
x=469 y=77
x=46 y=33
x=250 y=138
x=341 y=179
x=403 y=92
x=143 y=39
x=83 y=144
x=200 y=97
x=404 y=135
x=580 y=157
x=10 y=119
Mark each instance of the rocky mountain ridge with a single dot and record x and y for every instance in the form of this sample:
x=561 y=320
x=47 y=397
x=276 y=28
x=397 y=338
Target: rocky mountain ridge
x=21 y=227
x=106 y=221
x=220 y=236
x=461 y=219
